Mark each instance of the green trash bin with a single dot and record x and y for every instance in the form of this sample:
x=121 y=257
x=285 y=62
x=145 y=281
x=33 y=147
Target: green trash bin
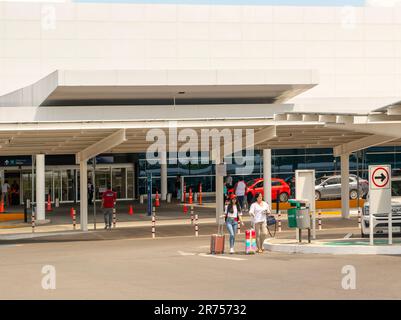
x=292 y=212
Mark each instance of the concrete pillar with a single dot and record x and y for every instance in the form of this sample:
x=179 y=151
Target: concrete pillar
x=40 y=187
x=163 y=175
x=345 y=186
x=83 y=187
x=219 y=187
x=267 y=175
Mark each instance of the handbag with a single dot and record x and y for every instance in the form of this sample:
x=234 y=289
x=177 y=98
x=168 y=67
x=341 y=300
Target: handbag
x=270 y=220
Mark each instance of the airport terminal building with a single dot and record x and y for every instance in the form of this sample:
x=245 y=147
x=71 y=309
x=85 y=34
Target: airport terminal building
x=80 y=81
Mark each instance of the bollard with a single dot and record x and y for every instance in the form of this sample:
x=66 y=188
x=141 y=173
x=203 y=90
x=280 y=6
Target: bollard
x=200 y=194
x=25 y=212
x=190 y=198
x=153 y=225
x=320 y=219
x=74 y=219
x=33 y=220
x=279 y=221
x=192 y=214
x=114 y=218
x=359 y=218
x=196 y=226
x=57 y=203
x=239 y=227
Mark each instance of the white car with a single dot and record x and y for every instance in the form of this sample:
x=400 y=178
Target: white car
x=381 y=220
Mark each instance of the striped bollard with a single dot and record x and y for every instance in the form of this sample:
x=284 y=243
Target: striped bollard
x=320 y=219
x=196 y=226
x=153 y=226
x=279 y=221
x=192 y=215
x=74 y=219
x=239 y=227
x=114 y=218
x=33 y=220
x=359 y=218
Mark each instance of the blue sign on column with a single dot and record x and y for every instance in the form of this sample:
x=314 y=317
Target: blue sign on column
x=149 y=188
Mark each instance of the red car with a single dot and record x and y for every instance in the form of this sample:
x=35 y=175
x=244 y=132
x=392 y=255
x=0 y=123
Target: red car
x=279 y=187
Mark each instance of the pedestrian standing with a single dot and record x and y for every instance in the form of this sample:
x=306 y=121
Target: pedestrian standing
x=229 y=181
x=233 y=217
x=259 y=211
x=240 y=190
x=178 y=187
x=5 y=188
x=90 y=192
x=109 y=198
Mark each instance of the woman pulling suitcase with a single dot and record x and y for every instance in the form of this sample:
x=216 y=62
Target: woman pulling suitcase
x=259 y=211
x=233 y=216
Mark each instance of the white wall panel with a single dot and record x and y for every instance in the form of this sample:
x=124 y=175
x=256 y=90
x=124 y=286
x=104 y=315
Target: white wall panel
x=257 y=31
x=225 y=31
x=257 y=14
x=288 y=32
x=351 y=47
x=194 y=49
x=64 y=30
x=15 y=29
x=283 y=14
x=193 y=13
x=161 y=13
x=99 y=12
x=21 y=48
x=193 y=31
x=127 y=12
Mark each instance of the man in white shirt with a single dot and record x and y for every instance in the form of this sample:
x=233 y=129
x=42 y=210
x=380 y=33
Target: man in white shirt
x=240 y=190
x=4 y=190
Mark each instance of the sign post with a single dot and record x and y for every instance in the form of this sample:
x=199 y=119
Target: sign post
x=380 y=197
x=305 y=190
x=149 y=191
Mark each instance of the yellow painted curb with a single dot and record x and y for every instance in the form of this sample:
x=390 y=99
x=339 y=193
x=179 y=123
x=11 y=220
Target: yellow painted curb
x=11 y=216
x=323 y=204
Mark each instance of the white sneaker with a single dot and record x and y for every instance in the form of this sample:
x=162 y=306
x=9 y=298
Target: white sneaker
x=232 y=250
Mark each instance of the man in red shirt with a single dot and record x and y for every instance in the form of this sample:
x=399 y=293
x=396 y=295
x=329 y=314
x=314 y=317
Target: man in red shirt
x=109 y=198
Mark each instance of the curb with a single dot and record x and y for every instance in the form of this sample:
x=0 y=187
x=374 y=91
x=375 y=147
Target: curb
x=333 y=249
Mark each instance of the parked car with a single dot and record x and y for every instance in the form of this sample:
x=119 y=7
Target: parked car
x=381 y=220
x=330 y=188
x=279 y=187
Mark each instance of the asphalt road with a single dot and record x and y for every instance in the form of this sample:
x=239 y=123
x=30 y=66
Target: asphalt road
x=180 y=268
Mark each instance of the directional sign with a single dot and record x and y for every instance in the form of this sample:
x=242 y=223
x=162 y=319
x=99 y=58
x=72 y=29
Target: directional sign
x=379 y=177
x=380 y=198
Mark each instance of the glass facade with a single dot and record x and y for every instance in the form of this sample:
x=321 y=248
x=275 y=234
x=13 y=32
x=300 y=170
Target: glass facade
x=284 y=164
x=62 y=178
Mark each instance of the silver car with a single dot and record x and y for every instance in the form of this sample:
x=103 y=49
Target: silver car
x=330 y=188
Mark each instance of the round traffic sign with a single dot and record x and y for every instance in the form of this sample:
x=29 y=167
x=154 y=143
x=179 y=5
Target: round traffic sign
x=380 y=177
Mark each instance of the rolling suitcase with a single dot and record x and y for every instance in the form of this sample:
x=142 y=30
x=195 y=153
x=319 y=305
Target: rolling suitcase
x=250 y=241
x=217 y=241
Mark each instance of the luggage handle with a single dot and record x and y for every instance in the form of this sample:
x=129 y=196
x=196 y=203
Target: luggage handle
x=220 y=226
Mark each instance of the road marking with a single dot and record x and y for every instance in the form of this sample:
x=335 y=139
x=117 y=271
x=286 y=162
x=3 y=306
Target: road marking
x=186 y=253
x=348 y=235
x=220 y=257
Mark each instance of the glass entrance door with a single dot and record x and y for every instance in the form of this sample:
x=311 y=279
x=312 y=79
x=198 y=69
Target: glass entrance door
x=67 y=185
x=102 y=177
